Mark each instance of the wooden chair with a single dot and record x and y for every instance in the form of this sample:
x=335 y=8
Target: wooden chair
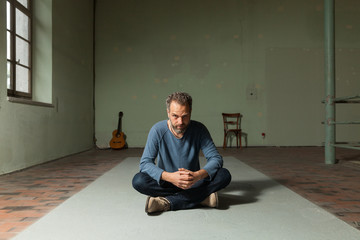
x=232 y=124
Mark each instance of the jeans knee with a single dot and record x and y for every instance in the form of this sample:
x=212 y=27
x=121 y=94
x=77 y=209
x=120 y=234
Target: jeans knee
x=226 y=176
x=137 y=182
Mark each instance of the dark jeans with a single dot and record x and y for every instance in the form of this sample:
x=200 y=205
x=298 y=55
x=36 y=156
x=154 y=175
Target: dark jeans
x=179 y=198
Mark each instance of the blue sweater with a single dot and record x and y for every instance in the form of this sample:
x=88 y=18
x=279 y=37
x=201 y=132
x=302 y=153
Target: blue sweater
x=173 y=153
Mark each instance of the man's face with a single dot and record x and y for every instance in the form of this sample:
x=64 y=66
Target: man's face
x=179 y=116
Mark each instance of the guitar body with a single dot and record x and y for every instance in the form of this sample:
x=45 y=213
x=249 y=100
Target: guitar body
x=118 y=139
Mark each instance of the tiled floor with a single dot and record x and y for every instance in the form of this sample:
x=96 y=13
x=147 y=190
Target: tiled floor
x=336 y=188
x=27 y=195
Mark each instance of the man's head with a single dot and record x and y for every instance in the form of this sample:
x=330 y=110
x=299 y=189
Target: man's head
x=181 y=98
x=179 y=105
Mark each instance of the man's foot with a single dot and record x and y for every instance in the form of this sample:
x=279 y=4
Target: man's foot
x=157 y=204
x=211 y=201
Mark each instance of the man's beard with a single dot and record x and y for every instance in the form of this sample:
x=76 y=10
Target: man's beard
x=176 y=130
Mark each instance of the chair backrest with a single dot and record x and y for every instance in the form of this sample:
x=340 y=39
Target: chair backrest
x=232 y=120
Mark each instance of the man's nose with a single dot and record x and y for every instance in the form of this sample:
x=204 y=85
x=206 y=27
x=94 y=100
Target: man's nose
x=180 y=120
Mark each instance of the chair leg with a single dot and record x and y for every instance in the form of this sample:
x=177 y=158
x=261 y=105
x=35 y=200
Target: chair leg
x=240 y=140
x=237 y=140
x=224 y=144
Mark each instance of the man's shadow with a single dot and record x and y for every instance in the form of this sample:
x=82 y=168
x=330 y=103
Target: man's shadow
x=243 y=192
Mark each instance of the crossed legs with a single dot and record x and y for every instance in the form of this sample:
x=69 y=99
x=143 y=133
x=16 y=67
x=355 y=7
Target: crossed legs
x=179 y=198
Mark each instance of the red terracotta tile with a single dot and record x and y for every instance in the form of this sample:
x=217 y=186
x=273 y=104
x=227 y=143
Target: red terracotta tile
x=27 y=195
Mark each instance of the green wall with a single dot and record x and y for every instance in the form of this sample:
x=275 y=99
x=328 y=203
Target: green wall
x=219 y=52
x=63 y=53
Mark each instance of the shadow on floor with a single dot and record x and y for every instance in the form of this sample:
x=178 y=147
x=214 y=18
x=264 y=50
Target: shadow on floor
x=243 y=192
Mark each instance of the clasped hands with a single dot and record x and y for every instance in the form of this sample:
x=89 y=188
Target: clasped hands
x=184 y=178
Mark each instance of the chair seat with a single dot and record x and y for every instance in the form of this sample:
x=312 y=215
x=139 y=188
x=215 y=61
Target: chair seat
x=234 y=130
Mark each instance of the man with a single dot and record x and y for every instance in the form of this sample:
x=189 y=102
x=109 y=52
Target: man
x=177 y=182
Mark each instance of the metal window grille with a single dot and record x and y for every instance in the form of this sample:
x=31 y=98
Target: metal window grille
x=19 y=48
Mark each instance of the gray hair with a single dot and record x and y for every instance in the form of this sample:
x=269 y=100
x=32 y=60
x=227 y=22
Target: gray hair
x=180 y=97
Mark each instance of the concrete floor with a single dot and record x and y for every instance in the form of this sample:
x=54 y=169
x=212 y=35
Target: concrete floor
x=252 y=207
x=54 y=198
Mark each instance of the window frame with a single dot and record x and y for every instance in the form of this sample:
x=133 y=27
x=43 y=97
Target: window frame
x=15 y=5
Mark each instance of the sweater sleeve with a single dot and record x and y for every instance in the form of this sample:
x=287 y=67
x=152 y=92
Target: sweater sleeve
x=214 y=159
x=147 y=161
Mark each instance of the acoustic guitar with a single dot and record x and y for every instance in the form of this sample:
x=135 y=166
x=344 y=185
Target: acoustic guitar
x=118 y=141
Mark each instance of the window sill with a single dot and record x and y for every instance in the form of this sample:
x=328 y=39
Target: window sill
x=29 y=102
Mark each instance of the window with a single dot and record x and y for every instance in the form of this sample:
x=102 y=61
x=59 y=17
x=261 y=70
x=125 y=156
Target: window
x=19 y=46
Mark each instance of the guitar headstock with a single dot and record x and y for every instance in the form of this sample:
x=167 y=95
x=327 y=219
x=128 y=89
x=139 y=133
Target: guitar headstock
x=120 y=114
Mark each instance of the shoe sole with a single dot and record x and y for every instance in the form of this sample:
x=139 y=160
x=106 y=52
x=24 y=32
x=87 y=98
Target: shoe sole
x=217 y=200
x=147 y=205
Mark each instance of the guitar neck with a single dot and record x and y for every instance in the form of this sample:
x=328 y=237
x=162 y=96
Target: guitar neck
x=119 y=126
x=119 y=123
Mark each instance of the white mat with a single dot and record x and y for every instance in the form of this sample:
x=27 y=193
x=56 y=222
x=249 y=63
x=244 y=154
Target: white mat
x=252 y=207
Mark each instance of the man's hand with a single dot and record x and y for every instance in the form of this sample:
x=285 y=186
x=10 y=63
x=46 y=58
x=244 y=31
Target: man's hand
x=184 y=178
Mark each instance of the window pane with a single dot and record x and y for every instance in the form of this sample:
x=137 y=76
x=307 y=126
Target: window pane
x=22 y=79
x=22 y=24
x=8 y=26
x=22 y=52
x=8 y=49
x=24 y=3
x=8 y=75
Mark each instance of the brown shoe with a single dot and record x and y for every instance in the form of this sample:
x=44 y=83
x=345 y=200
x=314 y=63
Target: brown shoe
x=211 y=201
x=157 y=204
